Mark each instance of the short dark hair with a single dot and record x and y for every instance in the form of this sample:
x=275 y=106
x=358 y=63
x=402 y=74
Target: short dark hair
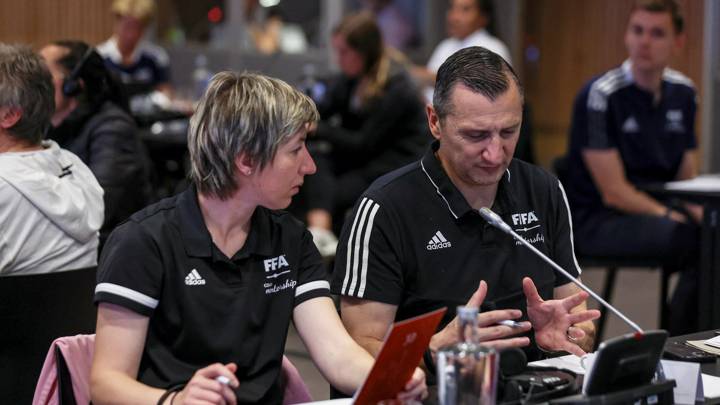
x=100 y=84
x=662 y=6
x=26 y=83
x=481 y=70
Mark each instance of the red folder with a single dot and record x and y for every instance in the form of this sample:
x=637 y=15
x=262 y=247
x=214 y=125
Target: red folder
x=400 y=355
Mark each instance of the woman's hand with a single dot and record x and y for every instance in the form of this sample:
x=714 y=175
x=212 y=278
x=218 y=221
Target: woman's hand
x=203 y=388
x=415 y=389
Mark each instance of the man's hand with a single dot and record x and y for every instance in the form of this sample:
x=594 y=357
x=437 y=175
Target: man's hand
x=488 y=332
x=553 y=320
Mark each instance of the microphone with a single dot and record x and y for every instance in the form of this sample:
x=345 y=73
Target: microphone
x=494 y=219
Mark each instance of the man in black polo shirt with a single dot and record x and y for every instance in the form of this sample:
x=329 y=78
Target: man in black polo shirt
x=203 y=285
x=417 y=242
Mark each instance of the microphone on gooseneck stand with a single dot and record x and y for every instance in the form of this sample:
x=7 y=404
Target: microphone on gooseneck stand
x=494 y=219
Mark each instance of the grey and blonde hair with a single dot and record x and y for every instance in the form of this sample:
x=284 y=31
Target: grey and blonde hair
x=26 y=84
x=242 y=113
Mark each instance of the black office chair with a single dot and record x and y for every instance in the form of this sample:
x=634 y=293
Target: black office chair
x=34 y=311
x=612 y=265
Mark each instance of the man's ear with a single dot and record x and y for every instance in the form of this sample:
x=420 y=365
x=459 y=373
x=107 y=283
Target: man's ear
x=9 y=116
x=244 y=164
x=433 y=121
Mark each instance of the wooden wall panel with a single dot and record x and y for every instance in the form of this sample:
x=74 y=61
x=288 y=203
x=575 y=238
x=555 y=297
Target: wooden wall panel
x=37 y=22
x=578 y=39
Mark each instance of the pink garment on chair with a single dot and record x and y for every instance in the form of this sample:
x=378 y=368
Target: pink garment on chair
x=295 y=389
x=78 y=353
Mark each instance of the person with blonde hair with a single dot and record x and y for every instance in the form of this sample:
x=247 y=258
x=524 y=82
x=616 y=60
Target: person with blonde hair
x=202 y=286
x=142 y=66
x=372 y=118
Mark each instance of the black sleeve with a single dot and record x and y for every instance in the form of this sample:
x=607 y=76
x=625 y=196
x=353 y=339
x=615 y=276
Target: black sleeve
x=130 y=270
x=601 y=132
x=394 y=105
x=563 y=245
x=312 y=277
x=116 y=158
x=367 y=263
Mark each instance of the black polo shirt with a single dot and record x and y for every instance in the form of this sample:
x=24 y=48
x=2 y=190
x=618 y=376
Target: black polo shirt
x=415 y=242
x=203 y=306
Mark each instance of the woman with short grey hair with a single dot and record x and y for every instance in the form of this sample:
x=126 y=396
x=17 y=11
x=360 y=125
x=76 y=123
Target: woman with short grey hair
x=197 y=291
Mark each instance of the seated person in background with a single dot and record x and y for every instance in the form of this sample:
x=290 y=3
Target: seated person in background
x=51 y=206
x=635 y=125
x=204 y=284
x=269 y=31
x=372 y=119
x=467 y=22
x=396 y=26
x=142 y=66
x=417 y=243
x=92 y=120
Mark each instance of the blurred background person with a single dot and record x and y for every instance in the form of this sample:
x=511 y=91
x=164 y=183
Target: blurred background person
x=634 y=126
x=51 y=206
x=92 y=120
x=142 y=66
x=467 y=25
x=397 y=29
x=372 y=121
x=269 y=31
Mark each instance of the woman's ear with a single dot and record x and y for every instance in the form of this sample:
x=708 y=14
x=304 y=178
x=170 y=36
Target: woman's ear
x=244 y=164
x=9 y=116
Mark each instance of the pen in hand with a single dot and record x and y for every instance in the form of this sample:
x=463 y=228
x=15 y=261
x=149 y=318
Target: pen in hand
x=510 y=323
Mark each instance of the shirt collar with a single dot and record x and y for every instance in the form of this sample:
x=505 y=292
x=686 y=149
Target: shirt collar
x=197 y=239
x=113 y=52
x=449 y=193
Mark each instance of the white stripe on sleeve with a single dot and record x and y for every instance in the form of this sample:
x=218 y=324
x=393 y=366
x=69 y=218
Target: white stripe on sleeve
x=125 y=292
x=366 y=251
x=349 y=244
x=356 y=248
x=313 y=285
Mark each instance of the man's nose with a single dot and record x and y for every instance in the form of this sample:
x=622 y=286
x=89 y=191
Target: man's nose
x=493 y=152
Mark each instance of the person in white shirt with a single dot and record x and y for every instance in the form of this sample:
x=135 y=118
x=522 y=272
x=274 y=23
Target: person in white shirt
x=51 y=205
x=467 y=22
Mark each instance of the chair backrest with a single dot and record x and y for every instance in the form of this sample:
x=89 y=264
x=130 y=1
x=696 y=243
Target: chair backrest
x=295 y=389
x=34 y=310
x=65 y=375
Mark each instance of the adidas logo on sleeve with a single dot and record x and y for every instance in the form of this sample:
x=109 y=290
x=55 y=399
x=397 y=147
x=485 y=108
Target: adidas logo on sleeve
x=194 y=278
x=438 y=241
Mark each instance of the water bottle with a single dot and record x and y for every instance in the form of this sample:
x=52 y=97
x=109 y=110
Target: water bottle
x=201 y=76
x=467 y=371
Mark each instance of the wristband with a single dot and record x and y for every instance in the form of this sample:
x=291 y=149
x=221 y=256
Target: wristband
x=173 y=389
x=429 y=362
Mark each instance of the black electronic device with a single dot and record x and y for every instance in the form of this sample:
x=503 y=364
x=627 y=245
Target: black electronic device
x=681 y=351
x=71 y=86
x=624 y=362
